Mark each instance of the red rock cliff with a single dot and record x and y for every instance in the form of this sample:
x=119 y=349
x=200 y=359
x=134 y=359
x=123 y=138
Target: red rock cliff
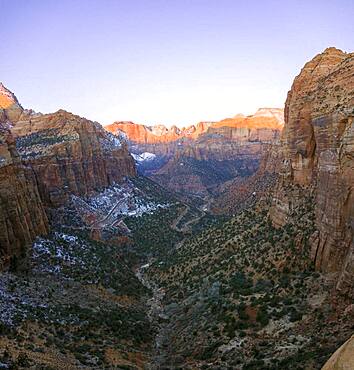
x=261 y=126
x=318 y=153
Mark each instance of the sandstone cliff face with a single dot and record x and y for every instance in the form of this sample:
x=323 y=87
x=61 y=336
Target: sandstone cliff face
x=318 y=151
x=242 y=192
x=199 y=170
x=226 y=141
x=71 y=155
x=22 y=216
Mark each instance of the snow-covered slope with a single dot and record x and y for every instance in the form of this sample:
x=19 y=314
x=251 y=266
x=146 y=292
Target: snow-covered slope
x=109 y=207
x=146 y=156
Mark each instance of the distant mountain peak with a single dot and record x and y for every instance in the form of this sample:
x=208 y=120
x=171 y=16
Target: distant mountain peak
x=10 y=108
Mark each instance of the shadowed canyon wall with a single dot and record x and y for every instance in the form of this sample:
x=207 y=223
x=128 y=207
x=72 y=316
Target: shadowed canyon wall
x=22 y=216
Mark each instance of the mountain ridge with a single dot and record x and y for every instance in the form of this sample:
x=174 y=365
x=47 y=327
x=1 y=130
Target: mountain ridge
x=146 y=134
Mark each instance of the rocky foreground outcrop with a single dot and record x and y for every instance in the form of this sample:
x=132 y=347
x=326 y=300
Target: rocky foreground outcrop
x=318 y=151
x=343 y=358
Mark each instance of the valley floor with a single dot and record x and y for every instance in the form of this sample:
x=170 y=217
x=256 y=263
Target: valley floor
x=169 y=286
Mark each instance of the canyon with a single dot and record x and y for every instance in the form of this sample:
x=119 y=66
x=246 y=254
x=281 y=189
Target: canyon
x=197 y=160
x=221 y=245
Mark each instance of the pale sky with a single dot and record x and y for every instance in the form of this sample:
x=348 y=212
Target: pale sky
x=171 y=62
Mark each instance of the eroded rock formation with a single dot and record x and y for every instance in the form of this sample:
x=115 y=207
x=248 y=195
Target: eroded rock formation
x=10 y=108
x=143 y=134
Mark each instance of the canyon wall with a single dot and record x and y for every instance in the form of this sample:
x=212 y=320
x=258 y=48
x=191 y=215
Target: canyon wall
x=157 y=134
x=22 y=215
x=43 y=160
x=71 y=155
x=317 y=156
x=226 y=139
x=260 y=126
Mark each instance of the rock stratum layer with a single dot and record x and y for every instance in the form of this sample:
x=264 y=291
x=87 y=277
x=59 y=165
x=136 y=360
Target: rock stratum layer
x=43 y=160
x=318 y=151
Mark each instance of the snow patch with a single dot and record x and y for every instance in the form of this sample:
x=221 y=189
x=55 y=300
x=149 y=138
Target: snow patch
x=109 y=207
x=146 y=156
x=111 y=142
